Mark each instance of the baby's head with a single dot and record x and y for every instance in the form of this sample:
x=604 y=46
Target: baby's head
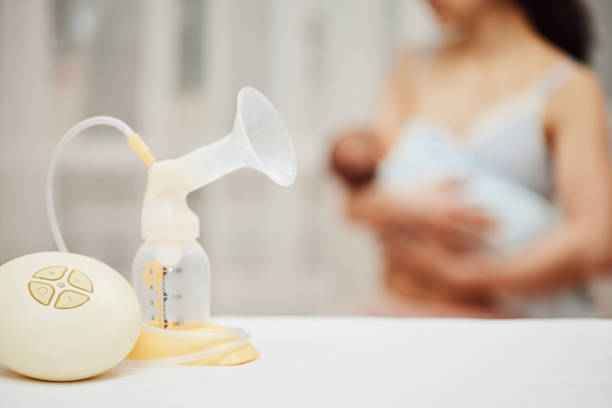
x=354 y=157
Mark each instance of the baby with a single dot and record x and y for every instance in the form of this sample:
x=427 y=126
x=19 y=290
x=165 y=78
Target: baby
x=521 y=215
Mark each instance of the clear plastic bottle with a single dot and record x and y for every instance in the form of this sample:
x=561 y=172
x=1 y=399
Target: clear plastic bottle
x=172 y=281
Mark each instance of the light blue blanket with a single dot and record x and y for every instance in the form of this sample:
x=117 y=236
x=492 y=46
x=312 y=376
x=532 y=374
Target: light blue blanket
x=521 y=214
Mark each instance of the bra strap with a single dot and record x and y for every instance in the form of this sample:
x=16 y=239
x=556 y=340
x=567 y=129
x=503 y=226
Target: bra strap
x=555 y=77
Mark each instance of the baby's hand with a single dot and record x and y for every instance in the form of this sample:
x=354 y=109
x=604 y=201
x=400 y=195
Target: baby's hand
x=354 y=157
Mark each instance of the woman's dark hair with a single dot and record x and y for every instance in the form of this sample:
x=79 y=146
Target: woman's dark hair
x=565 y=23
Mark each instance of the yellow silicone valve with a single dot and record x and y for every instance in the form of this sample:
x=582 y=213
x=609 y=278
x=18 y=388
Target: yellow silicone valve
x=151 y=346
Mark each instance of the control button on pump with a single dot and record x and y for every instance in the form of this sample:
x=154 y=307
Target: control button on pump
x=42 y=292
x=69 y=299
x=79 y=280
x=51 y=273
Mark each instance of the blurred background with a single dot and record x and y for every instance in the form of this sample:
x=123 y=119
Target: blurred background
x=172 y=69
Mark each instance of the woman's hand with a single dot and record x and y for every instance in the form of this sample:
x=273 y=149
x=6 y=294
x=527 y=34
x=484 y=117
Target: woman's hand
x=425 y=259
x=440 y=215
x=433 y=210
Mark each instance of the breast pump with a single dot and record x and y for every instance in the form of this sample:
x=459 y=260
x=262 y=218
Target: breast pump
x=171 y=271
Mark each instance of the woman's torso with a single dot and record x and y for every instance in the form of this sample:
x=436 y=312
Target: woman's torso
x=507 y=136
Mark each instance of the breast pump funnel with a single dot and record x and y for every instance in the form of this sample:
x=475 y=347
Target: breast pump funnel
x=259 y=140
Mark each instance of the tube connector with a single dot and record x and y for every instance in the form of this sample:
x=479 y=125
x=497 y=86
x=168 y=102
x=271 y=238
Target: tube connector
x=141 y=149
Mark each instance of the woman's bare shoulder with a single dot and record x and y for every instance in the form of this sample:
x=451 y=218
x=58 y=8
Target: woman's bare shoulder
x=410 y=57
x=579 y=106
x=582 y=90
x=403 y=62
x=583 y=80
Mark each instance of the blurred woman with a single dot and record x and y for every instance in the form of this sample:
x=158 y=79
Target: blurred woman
x=509 y=90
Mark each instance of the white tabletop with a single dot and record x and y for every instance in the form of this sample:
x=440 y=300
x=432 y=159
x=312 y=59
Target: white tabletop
x=366 y=362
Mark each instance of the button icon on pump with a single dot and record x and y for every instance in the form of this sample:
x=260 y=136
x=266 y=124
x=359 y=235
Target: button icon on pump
x=70 y=299
x=42 y=292
x=79 y=280
x=51 y=273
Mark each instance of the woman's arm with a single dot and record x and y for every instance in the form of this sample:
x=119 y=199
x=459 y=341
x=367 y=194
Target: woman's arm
x=356 y=154
x=397 y=101
x=432 y=210
x=582 y=244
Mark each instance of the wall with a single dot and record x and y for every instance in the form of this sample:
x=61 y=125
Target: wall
x=172 y=70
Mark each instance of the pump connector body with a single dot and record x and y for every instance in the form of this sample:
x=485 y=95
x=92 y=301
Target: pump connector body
x=165 y=213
